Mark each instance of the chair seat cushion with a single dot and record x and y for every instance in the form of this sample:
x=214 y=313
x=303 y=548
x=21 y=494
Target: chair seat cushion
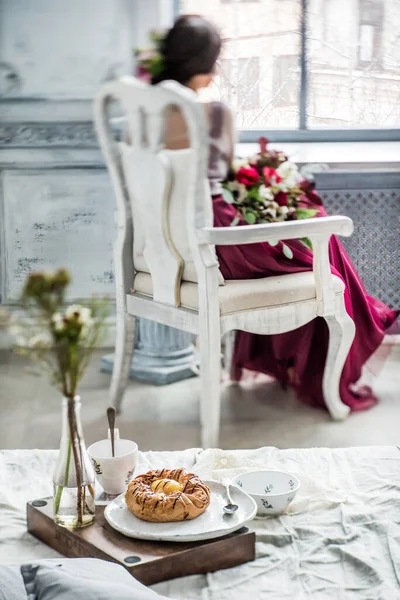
x=247 y=294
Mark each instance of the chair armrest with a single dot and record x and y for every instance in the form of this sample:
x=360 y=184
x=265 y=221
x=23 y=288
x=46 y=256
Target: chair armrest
x=273 y=232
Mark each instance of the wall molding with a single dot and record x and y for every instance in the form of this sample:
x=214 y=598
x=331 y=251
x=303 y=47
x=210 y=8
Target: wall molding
x=48 y=134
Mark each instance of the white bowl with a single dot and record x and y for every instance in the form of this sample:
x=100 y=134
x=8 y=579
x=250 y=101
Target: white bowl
x=272 y=491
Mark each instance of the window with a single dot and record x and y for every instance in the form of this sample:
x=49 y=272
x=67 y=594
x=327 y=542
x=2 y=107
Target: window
x=246 y=96
x=309 y=69
x=284 y=80
x=370 y=33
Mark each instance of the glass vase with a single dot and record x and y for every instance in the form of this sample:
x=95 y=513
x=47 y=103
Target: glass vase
x=74 y=477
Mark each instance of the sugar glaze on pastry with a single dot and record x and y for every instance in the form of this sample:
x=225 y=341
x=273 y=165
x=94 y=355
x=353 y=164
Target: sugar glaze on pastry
x=167 y=495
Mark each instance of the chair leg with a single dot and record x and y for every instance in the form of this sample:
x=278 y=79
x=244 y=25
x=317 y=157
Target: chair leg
x=229 y=345
x=210 y=380
x=341 y=336
x=125 y=337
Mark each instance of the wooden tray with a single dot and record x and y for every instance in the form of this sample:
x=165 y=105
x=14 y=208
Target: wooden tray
x=150 y=562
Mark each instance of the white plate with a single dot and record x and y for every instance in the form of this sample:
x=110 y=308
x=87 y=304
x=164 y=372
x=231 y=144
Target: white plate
x=213 y=523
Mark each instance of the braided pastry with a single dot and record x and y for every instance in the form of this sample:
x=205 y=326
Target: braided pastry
x=167 y=495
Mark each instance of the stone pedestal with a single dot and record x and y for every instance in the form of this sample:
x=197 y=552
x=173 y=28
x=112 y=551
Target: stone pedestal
x=161 y=355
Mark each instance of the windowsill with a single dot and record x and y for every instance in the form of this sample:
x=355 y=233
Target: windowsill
x=376 y=155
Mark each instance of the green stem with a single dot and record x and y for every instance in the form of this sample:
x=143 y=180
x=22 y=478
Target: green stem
x=57 y=499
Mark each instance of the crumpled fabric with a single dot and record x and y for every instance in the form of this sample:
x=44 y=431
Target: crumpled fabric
x=339 y=540
x=340 y=537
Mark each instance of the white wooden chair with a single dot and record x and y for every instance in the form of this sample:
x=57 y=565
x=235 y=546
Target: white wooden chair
x=166 y=268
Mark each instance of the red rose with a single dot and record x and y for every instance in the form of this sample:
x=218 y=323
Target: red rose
x=247 y=175
x=270 y=173
x=281 y=199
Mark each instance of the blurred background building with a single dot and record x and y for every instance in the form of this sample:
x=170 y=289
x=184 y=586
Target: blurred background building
x=352 y=52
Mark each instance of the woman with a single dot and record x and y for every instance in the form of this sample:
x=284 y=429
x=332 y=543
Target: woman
x=189 y=53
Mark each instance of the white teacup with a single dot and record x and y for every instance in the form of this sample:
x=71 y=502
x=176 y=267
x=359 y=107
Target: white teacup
x=114 y=473
x=273 y=491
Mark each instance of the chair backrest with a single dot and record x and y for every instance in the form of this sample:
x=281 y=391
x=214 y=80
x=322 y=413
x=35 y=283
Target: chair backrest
x=162 y=195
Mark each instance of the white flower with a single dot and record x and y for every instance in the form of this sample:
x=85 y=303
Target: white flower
x=58 y=321
x=81 y=313
x=271 y=212
x=85 y=316
x=265 y=192
x=238 y=163
x=289 y=173
x=281 y=187
x=283 y=210
x=286 y=168
x=73 y=310
x=240 y=188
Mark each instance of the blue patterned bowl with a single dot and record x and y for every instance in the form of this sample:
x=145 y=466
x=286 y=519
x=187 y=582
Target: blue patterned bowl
x=272 y=491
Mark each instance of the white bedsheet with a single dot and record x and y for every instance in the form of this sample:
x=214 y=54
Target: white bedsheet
x=339 y=541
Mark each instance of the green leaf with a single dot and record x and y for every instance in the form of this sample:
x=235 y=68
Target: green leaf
x=250 y=218
x=156 y=66
x=287 y=251
x=227 y=196
x=235 y=221
x=306 y=213
x=307 y=242
x=253 y=194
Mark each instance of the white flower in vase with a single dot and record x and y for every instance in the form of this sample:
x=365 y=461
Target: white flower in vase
x=73 y=311
x=82 y=314
x=58 y=321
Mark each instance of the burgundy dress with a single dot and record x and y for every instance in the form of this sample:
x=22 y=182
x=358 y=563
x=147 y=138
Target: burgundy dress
x=297 y=357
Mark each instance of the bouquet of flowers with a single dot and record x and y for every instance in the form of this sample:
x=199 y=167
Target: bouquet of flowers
x=59 y=339
x=149 y=61
x=267 y=188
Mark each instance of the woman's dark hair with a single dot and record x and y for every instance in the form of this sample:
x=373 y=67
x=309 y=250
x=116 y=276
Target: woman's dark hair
x=191 y=47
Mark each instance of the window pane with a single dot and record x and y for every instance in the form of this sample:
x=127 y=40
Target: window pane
x=353 y=64
x=259 y=73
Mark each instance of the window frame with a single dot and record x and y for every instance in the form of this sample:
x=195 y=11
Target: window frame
x=303 y=133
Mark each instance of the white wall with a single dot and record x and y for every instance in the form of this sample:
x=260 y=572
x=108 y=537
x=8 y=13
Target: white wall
x=64 y=49
x=56 y=201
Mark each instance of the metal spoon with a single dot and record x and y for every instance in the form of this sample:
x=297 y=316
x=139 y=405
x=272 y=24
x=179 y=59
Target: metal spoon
x=111 y=424
x=229 y=508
